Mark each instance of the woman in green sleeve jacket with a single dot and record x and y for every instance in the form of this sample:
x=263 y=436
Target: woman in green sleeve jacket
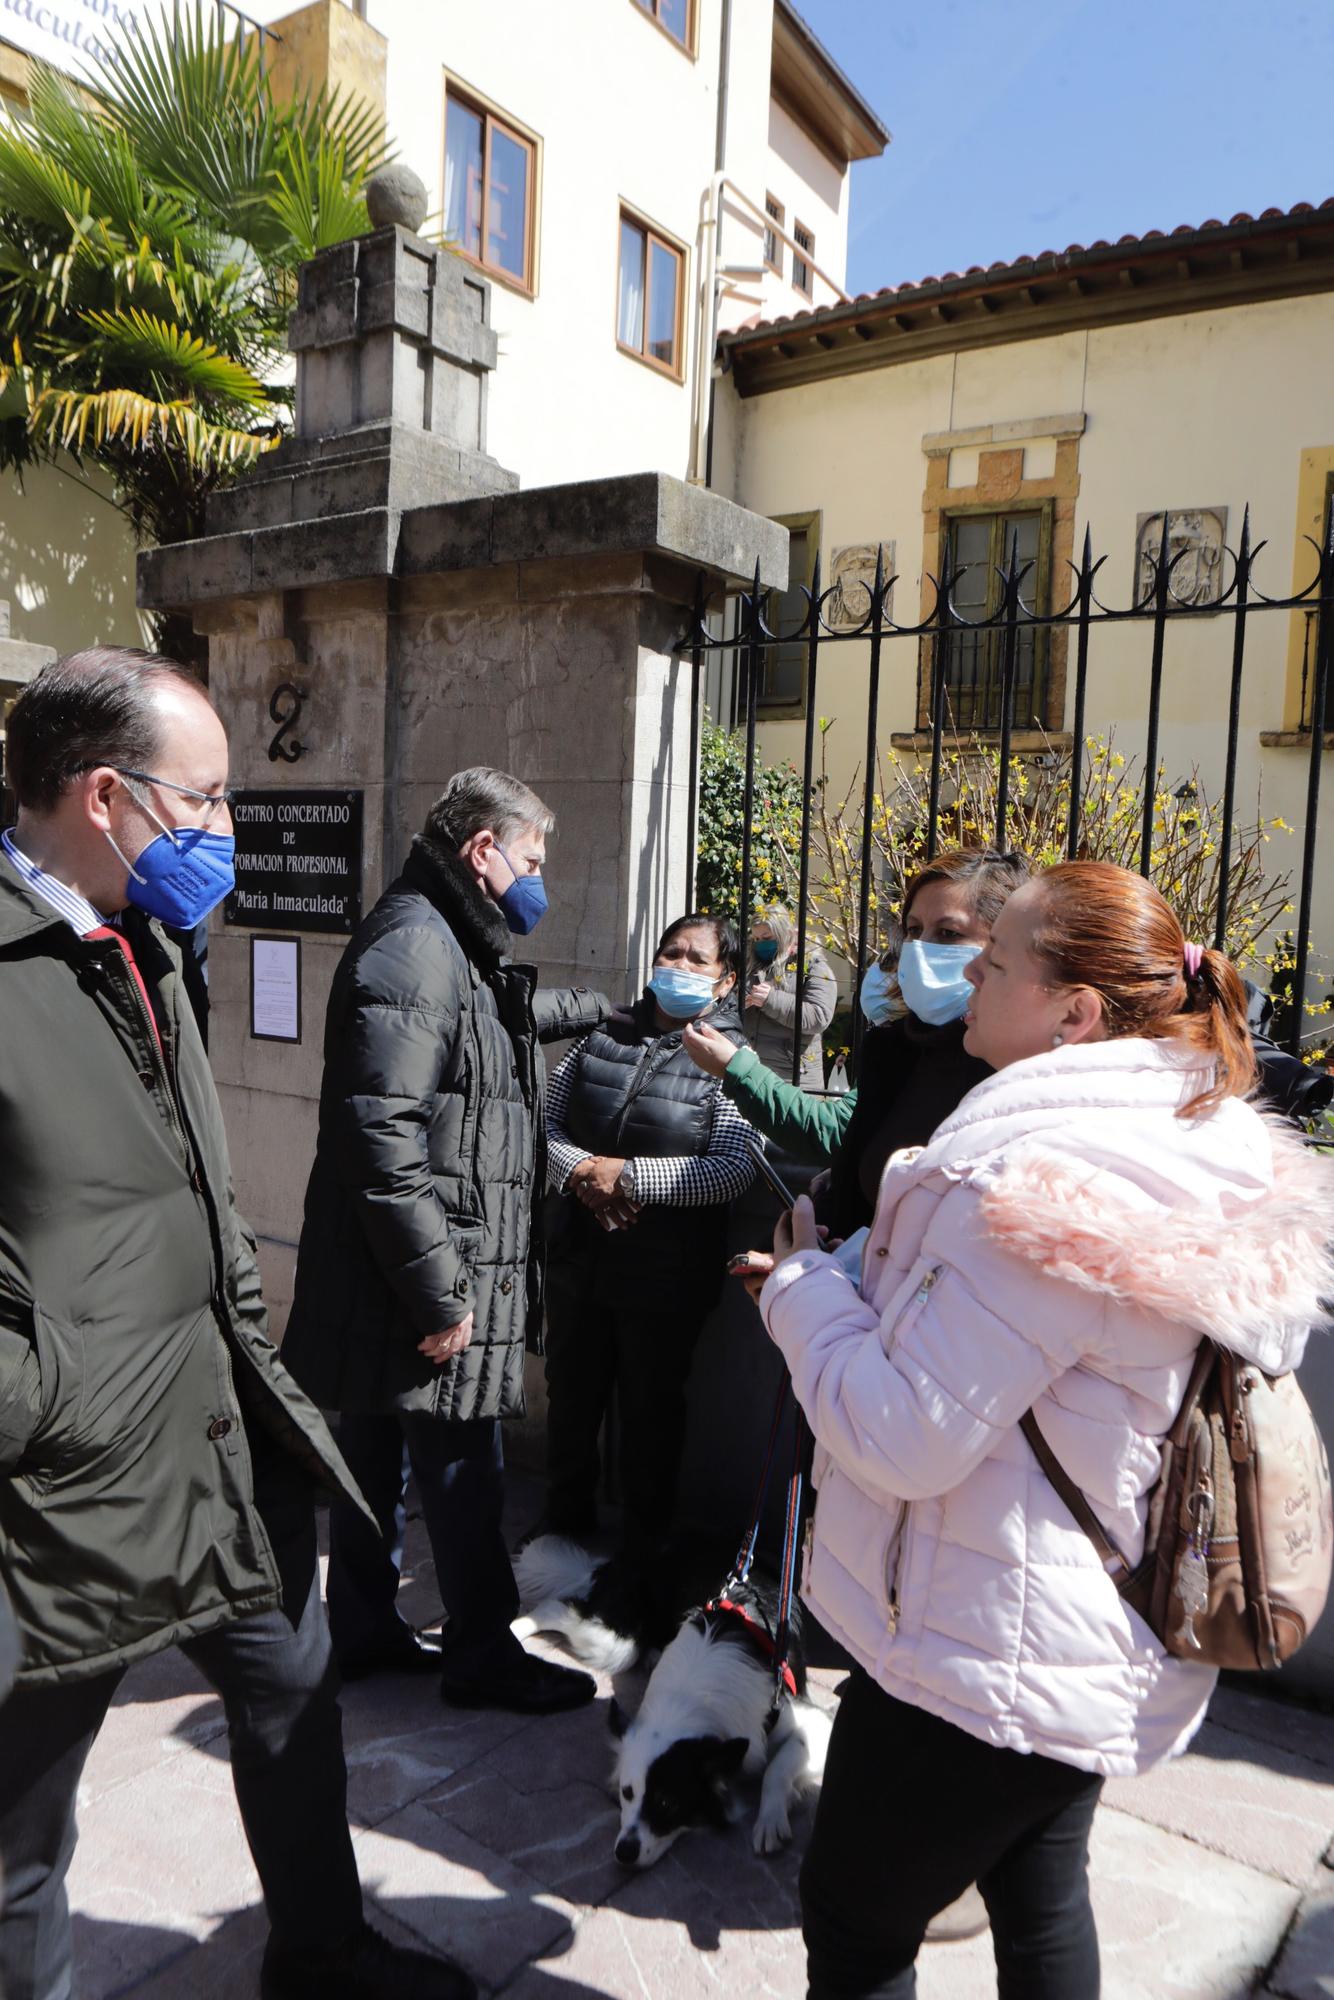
x=809 y=1128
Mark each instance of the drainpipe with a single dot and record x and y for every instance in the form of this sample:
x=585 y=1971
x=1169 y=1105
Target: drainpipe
x=724 y=70
x=706 y=330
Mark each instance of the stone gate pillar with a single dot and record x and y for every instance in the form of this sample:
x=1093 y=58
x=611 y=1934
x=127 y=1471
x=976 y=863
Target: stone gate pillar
x=384 y=570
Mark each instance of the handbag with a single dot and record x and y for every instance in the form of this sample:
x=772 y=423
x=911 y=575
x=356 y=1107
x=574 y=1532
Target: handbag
x=1239 y=1536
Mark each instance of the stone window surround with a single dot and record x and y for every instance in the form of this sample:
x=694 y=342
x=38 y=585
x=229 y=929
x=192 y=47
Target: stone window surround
x=477 y=101
x=1001 y=486
x=1315 y=481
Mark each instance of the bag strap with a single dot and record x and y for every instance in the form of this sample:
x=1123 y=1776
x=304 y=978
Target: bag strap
x=1108 y=1554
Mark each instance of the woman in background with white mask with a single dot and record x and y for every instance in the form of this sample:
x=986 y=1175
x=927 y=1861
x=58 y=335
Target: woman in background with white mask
x=913 y=1069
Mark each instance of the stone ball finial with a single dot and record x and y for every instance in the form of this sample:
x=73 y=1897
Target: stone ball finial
x=394 y=194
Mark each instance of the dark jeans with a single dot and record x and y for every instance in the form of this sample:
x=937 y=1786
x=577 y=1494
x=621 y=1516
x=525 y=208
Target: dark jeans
x=912 y=1810
x=278 y=1683
x=643 y=1352
x=459 y=1470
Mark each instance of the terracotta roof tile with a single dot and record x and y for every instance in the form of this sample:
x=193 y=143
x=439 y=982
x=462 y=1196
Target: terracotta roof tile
x=1002 y=266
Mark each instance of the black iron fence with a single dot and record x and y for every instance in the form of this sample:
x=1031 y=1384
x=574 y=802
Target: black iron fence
x=981 y=679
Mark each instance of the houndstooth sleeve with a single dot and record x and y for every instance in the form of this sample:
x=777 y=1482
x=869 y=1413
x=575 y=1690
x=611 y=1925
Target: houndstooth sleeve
x=695 y=1180
x=563 y=1156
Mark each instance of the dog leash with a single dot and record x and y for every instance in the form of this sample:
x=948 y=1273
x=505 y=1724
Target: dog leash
x=741 y=1568
x=738 y=1576
x=783 y=1677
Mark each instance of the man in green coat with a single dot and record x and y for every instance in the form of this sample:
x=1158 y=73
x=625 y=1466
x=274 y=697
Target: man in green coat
x=156 y=1459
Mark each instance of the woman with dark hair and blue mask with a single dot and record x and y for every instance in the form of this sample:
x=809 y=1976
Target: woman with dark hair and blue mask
x=645 y=1152
x=914 y=1069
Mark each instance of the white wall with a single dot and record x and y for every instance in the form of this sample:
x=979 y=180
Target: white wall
x=623 y=114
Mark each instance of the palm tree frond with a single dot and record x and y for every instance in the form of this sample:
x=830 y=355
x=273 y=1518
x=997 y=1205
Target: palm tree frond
x=76 y=420
x=134 y=336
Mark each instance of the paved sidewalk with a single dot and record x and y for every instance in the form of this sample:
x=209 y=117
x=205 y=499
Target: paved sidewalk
x=491 y=1836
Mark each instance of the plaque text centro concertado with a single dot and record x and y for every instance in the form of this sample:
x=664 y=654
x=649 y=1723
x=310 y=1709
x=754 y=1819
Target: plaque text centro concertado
x=298 y=860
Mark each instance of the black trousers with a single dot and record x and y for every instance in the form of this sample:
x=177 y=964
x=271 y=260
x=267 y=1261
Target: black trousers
x=913 y=1810
x=596 y=1345
x=459 y=1468
x=276 y=1676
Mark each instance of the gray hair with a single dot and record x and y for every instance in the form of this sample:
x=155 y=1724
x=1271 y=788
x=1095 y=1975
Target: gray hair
x=483 y=799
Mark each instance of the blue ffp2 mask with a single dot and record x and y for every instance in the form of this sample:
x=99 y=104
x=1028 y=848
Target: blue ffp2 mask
x=182 y=874
x=524 y=904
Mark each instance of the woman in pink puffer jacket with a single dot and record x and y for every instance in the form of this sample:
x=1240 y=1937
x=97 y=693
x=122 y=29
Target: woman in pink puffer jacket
x=1063 y=1242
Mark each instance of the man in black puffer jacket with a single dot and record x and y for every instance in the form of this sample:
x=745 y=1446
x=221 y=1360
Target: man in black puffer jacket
x=419 y=1274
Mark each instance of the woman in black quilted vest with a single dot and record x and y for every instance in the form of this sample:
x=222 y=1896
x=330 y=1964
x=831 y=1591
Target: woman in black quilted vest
x=644 y=1153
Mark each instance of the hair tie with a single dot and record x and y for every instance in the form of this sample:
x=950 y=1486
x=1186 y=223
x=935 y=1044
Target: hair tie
x=1194 y=954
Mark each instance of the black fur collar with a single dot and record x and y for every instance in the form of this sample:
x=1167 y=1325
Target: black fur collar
x=473 y=917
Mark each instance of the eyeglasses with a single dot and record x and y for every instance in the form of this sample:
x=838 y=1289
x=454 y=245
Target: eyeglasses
x=210 y=800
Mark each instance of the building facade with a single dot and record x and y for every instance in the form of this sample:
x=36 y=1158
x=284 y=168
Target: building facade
x=1020 y=407
x=611 y=168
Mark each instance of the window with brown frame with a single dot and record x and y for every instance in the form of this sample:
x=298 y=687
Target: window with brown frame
x=773 y=246
x=650 y=290
x=673 y=17
x=980 y=545
x=803 y=273
x=490 y=192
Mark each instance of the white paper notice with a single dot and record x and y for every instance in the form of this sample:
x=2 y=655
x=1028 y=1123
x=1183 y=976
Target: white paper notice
x=275 y=989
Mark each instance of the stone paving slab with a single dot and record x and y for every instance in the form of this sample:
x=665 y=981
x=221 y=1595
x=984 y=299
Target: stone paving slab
x=490 y=1837
x=227 y=1967
x=1306 y=1969
x=1241 y=1797
x=161 y=1863
x=459 y=1896
x=1287 y=1725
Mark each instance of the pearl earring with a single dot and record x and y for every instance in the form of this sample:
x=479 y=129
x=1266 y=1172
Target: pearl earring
x=1057 y=1040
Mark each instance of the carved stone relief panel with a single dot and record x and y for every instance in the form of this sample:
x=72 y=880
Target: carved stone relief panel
x=852 y=574
x=1196 y=539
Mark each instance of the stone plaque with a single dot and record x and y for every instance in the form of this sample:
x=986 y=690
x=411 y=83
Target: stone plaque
x=1197 y=536
x=853 y=578
x=298 y=861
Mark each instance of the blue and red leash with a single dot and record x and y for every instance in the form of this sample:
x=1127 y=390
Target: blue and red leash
x=780 y=1645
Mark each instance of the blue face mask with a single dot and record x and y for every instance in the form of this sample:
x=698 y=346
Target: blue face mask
x=932 y=982
x=182 y=874
x=764 y=950
x=524 y=904
x=681 y=994
x=879 y=996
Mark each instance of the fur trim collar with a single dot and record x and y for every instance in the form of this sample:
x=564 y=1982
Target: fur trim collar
x=473 y=917
x=1254 y=1274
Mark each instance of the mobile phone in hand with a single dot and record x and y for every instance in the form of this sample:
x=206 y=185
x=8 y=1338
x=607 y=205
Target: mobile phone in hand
x=770 y=1174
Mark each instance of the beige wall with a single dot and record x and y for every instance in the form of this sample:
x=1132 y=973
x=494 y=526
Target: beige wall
x=1207 y=409
x=66 y=561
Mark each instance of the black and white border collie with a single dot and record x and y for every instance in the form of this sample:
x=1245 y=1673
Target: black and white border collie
x=596 y=1605
x=703 y=1724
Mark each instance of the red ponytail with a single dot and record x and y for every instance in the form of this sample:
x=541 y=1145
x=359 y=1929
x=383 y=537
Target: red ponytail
x=1107 y=929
